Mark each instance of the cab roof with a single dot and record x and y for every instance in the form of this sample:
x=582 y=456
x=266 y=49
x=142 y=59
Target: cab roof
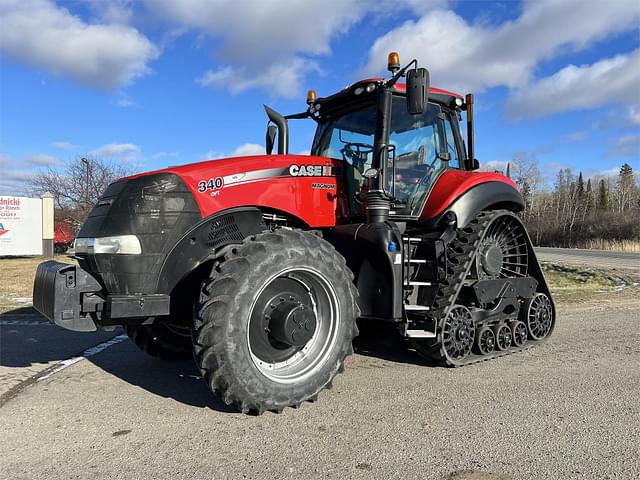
x=348 y=95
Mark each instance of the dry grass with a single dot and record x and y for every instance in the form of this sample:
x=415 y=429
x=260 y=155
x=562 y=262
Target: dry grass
x=611 y=245
x=574 y=284
x=17 y=276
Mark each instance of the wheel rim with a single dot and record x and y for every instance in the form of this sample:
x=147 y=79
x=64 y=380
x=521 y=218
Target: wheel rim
x=486 y=341
x=503 y=251
x=519 y=332
x=458 y=333
x=539 y=316
x=503 y=337
x=301 y=288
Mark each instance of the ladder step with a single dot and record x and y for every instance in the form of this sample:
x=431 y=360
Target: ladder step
x=412 y=239
x=421 y=284
x=419 y=308
x=420 y=334
x=417 y=260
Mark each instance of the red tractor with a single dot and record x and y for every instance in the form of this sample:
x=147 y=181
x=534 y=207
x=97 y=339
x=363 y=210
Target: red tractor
x=62 y=236
x=260 y=265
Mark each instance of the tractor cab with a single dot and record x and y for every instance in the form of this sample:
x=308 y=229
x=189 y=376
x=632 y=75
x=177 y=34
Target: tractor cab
x=392 y=140
x=420 y=147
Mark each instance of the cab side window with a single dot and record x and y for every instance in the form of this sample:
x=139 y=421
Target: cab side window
x=454 y=160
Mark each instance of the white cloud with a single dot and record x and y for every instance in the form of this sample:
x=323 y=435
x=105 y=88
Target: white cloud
x=105 y=56
x=128 y=151
x=15 y=182
x=633 y=114
x=63 y=145
x=256 y=30
x=493 y=166
x=627 y=146
x=276 y=42
x=465 y=56
x=244 y=150
x=40 y=159
x=587 y=86
x=247 y=149
x=577 y=136
x=281 y=79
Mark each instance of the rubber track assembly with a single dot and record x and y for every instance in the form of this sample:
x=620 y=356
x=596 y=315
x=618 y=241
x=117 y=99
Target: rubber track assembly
x=461 y=254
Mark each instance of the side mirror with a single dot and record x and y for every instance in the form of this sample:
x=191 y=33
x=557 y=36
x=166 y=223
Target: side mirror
x=270 y=140
x=417 y=90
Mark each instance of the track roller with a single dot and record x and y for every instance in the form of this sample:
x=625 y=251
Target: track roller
x=518 y=332
x=503 y=336
x=485 y=341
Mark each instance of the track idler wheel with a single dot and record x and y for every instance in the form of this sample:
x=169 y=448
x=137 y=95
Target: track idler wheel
x=458 y=333
x=519 y=333
x=503 y=337
x=539 y=316
x=485 y=341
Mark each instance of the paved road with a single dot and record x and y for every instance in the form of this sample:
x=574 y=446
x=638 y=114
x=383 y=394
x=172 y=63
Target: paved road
x=566 y=409
x=595 y=258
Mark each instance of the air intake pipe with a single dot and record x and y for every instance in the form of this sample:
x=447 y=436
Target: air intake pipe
x=283 y=129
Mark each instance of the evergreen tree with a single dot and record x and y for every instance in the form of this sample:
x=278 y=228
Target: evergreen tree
x=603 y=196
x=626 y=187
x=589 y=196
x=508 y=169
x=580 y=191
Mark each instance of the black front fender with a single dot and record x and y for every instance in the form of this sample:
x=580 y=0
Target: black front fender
x=201 y=243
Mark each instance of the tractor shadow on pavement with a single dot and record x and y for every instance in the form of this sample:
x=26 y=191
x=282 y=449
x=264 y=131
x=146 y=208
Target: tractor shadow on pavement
x=181 y=381
x=381 y=340
x=27 y=339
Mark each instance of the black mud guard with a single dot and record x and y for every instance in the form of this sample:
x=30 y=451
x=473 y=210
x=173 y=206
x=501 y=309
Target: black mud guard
x=202 y=241
x=375 y=263
x=486 y=196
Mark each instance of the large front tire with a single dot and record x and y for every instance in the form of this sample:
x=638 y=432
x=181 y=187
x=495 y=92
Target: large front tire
x=275 y=320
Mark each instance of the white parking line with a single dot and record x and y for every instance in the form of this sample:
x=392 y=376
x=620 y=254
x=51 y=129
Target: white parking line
x=86 y=354
x=23 y=323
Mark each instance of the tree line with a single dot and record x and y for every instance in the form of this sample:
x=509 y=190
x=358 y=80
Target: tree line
x=595 y=212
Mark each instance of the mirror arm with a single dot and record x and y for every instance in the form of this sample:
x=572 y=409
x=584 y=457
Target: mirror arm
x=400 y=73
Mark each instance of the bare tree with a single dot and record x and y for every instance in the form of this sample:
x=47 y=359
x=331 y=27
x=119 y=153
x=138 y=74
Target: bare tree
x=78 y=184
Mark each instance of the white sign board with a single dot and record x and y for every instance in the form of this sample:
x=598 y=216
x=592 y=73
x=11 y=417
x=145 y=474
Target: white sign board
x=20 y=226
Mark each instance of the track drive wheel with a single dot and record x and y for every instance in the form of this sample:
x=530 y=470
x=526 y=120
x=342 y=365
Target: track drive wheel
x=162 y=339
x=275 y=320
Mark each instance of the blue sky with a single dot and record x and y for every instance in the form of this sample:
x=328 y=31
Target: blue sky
x=153 y=83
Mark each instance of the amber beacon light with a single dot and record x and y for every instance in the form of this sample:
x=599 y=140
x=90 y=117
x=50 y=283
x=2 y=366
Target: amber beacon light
x=311 y=96
x=393 y=62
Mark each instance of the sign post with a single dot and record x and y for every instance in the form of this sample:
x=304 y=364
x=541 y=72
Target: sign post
x=47 y=226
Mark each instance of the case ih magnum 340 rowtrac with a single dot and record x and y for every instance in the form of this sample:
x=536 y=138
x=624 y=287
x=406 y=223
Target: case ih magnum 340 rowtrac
x=261 y=265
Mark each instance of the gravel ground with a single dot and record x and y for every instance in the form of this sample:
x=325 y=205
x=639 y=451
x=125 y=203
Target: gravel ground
x=566 y=409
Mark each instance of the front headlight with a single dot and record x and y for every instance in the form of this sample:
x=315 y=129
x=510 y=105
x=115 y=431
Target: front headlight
x=117 y=244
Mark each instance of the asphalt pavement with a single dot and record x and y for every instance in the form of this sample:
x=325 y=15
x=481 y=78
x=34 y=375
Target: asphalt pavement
x=567 y=408
x=594 y=258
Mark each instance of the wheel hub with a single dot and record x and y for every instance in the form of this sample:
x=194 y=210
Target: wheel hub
x=292 y=323
x=491 y=257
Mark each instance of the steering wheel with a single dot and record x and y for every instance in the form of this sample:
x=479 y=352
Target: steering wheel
x=354 y=151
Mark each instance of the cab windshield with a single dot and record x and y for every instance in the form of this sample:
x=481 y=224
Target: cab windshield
x=413 y=156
